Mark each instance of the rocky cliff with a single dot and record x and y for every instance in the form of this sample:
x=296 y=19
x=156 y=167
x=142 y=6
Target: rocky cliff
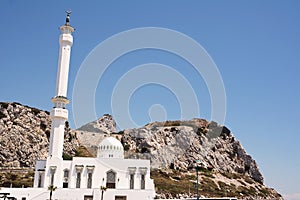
x=175 y=148
x=179 y=144
x=104 y=124
x=24 y=135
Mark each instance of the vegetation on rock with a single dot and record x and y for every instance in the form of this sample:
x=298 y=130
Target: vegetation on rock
x=16 y=178
x=176 y=184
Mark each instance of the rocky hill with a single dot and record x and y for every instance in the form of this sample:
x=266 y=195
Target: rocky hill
x=179 y=144
x=24 y=135
x=105 y=124
x=175 y=148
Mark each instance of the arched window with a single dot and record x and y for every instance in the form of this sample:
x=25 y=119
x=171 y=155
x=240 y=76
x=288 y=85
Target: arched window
x=110 y=179
x=143 y=172
x=90 y=170
x=78 y=171
x=132 y=171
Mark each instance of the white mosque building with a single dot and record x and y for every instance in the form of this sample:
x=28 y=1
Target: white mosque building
x=109 y=174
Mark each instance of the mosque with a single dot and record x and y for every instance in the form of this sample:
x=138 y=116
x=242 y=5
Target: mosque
x=108 y=176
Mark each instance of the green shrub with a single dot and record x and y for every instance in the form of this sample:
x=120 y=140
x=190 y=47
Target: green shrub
x=67 y=157
x=17 y=179
x=231 y=175
x=248 y=180
x=82 y=152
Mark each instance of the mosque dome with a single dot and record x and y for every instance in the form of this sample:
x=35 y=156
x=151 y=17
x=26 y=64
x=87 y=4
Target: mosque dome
x=110 y=147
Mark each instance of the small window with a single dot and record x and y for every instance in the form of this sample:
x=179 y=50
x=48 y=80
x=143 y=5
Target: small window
x=142 y=181
x=66 y=173
x=120 y=197
x=78 y=180
x=131 y=184
x=65 y=184
x=88 y=197
x=40 y=181
x=89 y=181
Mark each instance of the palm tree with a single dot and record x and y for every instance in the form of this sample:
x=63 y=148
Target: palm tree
x=103 y=189
x=51 y=188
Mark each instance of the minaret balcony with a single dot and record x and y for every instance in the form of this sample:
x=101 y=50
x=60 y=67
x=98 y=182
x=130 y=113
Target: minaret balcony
x=66 y=29
x=60 y=99
x=59 y=113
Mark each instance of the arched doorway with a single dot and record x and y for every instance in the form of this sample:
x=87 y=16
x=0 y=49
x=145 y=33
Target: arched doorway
x=111 y=179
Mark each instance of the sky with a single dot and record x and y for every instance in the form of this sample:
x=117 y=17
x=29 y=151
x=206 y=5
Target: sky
x=253 y=45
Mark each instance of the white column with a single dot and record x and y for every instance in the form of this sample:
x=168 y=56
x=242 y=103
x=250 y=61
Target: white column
x=65 y=41
x=57 y=138
x=59 y=114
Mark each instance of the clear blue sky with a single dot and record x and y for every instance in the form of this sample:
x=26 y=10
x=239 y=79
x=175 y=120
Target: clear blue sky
x=255 y=45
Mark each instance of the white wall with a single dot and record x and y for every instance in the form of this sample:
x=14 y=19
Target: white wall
x=102 y=165
x=76 y=194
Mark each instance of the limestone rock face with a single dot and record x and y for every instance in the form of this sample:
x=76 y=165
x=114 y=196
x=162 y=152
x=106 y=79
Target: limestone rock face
x=104 y=124
x=176 y=148
x=24 y=135
x=179 y=144
x=91 y=134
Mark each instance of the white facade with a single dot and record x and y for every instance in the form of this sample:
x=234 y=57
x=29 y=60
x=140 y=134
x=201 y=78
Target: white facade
x=82 y=178
x=120 y=176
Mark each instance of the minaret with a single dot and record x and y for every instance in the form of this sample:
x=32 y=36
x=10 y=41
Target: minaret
x=59 y=113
